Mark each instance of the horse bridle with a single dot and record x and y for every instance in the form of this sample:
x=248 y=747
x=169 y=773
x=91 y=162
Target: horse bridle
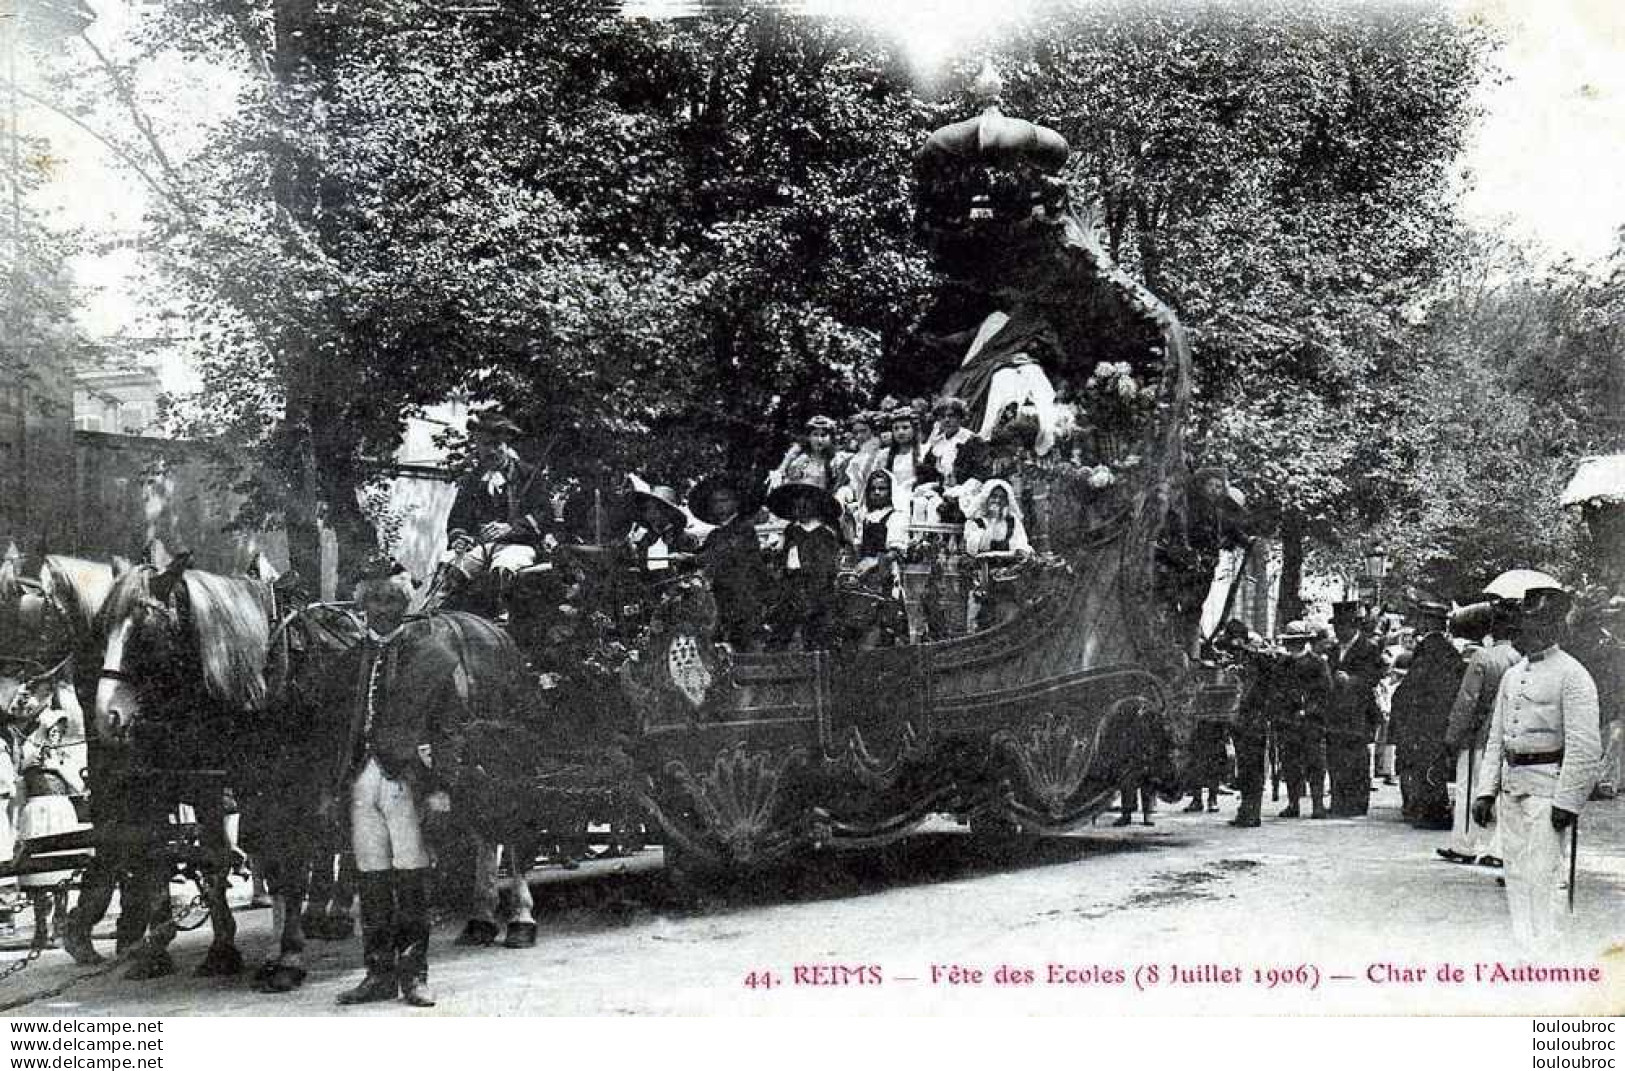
x=52 y=606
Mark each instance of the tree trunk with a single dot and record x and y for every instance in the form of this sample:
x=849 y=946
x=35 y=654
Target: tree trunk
x=1290 y=607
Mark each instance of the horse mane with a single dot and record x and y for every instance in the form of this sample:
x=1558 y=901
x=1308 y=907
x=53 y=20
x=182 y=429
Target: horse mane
x=228 y=622
x=232 y=628
x=314 y=631
x=80 y=587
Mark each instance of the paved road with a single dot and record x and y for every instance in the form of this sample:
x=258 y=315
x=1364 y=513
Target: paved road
x=1352 y=916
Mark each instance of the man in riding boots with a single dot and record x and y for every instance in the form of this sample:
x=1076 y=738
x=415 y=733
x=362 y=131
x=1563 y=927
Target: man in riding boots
x=1262 y=701
x=403 y=757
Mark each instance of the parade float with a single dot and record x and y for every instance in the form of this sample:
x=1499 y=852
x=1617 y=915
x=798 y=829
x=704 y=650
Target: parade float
x=1030 y=726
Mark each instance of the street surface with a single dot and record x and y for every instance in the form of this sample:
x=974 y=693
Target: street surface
x=1105 y=920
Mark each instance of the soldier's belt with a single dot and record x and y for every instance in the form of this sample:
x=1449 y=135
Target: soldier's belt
x=1534 y=758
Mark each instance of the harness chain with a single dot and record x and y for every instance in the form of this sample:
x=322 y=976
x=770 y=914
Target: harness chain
x=112 y=964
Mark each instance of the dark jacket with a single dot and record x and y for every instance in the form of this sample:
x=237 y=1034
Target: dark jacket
x=1421 y=710
x=1306 y=689
x=522 y=503
x=412 y=702
x=925 y=466
x=732 y=559
x=1354 y=711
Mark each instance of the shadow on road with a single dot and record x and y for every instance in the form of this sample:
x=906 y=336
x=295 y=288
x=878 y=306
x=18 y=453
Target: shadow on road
x=613 y=900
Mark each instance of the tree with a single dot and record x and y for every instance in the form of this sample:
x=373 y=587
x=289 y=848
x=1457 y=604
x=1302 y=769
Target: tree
x=1283 y=174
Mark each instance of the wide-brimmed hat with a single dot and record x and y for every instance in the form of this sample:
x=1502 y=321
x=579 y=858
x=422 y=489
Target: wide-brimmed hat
x=493 y=422
x=699 y=499
x=1206 y=472
x=783 y=499
x=671 y=507
x=822 y=423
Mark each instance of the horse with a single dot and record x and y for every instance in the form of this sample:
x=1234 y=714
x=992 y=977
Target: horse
x=49 y=624
x=312 y=675
x=183 y=659
x=193 y=676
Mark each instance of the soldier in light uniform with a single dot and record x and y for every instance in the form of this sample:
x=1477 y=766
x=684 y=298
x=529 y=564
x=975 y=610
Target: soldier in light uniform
x=1540 y=763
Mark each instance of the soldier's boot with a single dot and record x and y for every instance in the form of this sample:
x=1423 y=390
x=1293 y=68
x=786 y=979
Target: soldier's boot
x=1318 y=808
x=412 y=936
x=1291 y=808
x=377 y=941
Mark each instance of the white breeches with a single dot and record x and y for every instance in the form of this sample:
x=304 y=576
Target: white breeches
x=1536 y=855
x=1468 y=837
x=503 y=557
x=386 y=828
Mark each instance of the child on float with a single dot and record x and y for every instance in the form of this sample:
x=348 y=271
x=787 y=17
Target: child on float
x=953 y=449
x=994 y=536
x=811 y=459
x=809 y=559
x=916 y=483
x=882 y=544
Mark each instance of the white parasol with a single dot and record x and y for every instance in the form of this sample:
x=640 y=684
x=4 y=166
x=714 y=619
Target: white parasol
x=1514 y=583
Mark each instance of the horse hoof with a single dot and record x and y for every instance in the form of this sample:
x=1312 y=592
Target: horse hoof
x=520 y=935
x=150 y=966
x=78 y=946
x=283 y=980
x=265 y=972
x=219 y=963
x=477 y=934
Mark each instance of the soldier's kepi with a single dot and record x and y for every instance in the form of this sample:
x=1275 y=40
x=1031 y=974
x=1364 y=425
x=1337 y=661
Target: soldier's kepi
x=1540 y=763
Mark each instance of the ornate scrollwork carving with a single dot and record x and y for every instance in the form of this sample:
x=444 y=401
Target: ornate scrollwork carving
x=1053 y=759
x=737 y=800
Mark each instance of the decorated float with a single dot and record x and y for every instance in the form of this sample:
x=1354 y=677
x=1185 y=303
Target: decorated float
x=1080 y=380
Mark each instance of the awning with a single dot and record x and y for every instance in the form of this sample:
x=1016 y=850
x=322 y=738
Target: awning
x=1599 y=479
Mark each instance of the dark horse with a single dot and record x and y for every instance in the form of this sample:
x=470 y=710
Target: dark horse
x=313 y=674
x=196 y=677
x=50 y=624
x=184 y=657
